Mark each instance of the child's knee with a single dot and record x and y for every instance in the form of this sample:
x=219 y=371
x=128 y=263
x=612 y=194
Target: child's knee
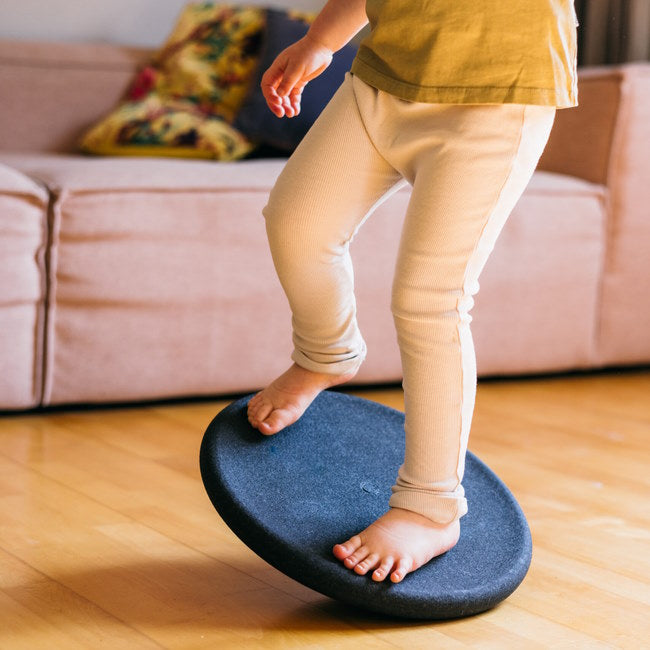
x=417 y=301
x=302 y=236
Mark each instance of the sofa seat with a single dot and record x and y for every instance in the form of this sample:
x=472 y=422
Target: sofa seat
x=538 y=306
x=159 y=277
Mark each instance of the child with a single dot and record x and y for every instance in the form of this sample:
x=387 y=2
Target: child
x=456 y=98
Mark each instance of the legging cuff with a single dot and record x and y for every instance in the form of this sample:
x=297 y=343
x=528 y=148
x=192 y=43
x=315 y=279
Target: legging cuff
x=335 y=364
x=443 y=508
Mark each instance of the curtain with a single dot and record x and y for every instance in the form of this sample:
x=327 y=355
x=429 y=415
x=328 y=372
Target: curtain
x=613 y=31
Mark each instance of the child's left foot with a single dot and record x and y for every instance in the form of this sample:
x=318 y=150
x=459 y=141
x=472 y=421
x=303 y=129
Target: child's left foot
x=397 y=543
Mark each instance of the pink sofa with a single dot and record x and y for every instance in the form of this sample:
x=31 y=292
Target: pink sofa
x=131 y=279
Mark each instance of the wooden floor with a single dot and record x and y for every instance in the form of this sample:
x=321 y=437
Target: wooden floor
x=108 y=540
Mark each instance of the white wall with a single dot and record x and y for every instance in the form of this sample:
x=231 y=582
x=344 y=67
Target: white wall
x=130 y=22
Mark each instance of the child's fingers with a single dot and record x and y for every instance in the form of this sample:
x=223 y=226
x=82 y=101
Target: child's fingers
x=283 y=82
x=295 y=98
x=275 y=104
x=297 y=90
x=288 y=107
x=270 y=80
x=278 y=101
x=291 y=79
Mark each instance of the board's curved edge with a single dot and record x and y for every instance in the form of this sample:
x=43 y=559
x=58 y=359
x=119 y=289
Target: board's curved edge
x=525 y=557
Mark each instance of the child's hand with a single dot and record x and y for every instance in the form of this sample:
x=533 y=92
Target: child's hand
x=283 y=82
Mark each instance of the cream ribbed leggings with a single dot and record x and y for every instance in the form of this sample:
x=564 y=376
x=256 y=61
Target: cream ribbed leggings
x=468 y=165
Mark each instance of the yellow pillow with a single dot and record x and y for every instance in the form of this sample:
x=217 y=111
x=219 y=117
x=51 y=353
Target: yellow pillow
x=157 y=127
x=183 y=103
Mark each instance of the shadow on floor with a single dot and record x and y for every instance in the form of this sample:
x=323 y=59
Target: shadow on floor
x=207 y=594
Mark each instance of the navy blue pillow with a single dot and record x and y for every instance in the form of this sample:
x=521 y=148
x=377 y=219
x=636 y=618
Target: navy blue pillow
x=256 y=121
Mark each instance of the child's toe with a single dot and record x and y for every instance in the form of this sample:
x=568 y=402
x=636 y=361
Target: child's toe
x=366 y=565
x=262 y=410
x=273 y=422
x=383 y=570
x=341 y=551
x=356 y=557
x=403 y=567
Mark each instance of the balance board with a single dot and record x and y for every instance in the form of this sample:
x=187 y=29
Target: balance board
x=290 y=497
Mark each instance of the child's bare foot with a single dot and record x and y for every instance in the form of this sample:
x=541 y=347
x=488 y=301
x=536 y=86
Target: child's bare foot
x=283 y=401
x=397 y=543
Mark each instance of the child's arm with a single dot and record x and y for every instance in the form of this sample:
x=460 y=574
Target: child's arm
x=335 y=25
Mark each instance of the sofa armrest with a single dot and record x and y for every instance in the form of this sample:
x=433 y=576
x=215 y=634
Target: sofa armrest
x=586 y=139
x=606 y=140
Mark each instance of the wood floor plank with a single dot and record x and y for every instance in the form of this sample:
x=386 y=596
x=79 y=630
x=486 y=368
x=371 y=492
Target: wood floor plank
x=22 y=628
x=566 y=601
x=107 y=538
x=38 y=612
x=542 y=631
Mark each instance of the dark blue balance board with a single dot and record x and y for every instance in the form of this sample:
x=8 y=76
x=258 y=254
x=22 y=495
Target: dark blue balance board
x=290 y=497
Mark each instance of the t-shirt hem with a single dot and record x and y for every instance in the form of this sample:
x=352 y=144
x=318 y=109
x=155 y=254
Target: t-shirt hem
x=459 y=94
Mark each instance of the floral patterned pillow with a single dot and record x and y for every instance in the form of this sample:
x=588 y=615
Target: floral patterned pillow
x=183 y=103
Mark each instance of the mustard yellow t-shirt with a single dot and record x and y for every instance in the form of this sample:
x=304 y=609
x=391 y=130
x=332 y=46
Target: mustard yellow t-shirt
x=472 y=51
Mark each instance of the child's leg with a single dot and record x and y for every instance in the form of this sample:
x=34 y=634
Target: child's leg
x=468 y=166
x=461 y=199
x=330 y=184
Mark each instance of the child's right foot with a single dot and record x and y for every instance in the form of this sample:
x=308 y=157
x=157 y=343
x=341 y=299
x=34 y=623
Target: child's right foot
x=399 y=542
x=283 y=401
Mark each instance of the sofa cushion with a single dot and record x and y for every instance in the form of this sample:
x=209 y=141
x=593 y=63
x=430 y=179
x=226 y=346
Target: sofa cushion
x=23 y=216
